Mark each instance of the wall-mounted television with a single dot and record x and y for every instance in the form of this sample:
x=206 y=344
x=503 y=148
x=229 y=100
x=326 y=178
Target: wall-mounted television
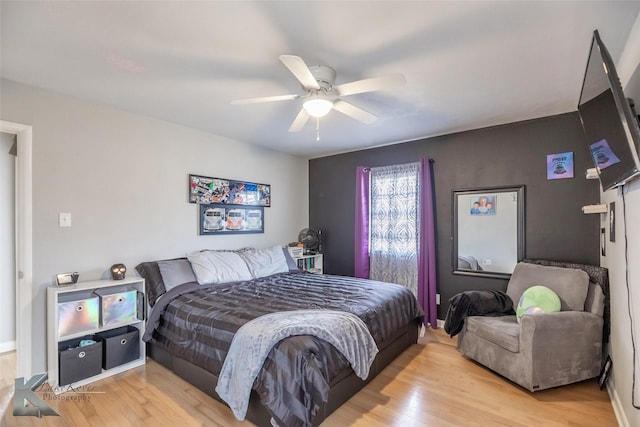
x=610 y=126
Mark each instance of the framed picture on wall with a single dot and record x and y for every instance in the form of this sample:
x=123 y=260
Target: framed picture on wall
x=560 y=166
x=484 y=204
x=225 y=219
x=206 y=189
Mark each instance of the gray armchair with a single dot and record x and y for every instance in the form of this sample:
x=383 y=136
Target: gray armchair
x=544 y=350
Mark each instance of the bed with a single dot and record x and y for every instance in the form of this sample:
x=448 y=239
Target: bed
x=468 y=263
x=191 y=326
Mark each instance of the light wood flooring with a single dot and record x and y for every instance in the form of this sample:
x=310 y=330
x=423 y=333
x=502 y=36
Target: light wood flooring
x=430 y=384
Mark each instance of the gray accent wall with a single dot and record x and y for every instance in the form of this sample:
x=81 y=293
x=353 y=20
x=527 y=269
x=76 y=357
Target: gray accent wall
x=513 y=154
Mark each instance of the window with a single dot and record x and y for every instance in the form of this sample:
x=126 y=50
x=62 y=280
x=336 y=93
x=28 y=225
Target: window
x=394 y=224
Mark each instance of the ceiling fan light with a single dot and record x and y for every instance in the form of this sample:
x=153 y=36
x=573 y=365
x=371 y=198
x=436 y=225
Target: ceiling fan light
x=318 y=107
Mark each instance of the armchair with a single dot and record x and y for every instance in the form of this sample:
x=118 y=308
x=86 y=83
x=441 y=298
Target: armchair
x=544 y=350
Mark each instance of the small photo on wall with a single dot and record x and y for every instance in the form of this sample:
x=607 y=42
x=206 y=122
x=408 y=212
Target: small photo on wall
x=484 y=204
x=560 y=166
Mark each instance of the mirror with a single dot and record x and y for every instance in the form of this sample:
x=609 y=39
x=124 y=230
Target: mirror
x=488 y=231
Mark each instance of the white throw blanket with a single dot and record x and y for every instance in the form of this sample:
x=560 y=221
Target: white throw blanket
x=255 y=339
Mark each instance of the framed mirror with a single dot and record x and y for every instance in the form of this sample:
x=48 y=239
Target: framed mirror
x=488 y=231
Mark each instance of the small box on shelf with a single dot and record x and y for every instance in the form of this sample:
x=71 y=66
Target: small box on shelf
x=118 y=305
x=77 y=312
x=296 y=251
x=76 y=361
x=120 y=346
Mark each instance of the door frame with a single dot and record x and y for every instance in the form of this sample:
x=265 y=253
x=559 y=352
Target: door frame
x=24 y=245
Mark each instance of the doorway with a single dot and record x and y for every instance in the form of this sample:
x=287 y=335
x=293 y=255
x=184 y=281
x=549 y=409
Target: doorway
x=23 y=245
x=8 y=152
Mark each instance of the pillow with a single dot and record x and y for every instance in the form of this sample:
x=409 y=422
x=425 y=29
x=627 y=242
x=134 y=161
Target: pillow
x=538 y=300
x=265 y=262
x=596 y=299
x=570 y=284
x=154 y=285
x=291 y=263
x=175 y=272
x=218 y=267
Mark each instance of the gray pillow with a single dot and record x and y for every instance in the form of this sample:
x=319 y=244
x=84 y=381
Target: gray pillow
x=175 y=272
x=570 y=284
x=595 y=300
x=291 y=263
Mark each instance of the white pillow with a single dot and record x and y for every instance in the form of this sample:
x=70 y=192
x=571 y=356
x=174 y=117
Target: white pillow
x=218 y=267
x=265 y=262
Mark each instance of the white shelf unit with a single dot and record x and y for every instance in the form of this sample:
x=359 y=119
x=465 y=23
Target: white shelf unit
x=54 y=294
x=311 y=263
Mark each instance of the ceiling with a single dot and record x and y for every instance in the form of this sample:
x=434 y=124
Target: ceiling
x=467 y=64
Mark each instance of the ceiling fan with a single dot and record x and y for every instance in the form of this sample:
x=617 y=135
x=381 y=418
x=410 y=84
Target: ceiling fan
x=322 y=95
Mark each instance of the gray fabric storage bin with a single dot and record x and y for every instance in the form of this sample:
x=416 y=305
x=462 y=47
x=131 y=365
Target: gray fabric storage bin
x=120 y=346
x=77 y=363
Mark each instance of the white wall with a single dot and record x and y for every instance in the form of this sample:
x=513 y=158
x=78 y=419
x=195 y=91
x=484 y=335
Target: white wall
x=620 y=347
x=620 y=340
x=7 y=244
x=124 y=179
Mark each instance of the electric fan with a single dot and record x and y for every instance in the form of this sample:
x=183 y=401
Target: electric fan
x=311 y=239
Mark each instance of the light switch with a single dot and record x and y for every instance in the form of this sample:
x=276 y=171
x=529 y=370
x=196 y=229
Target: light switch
x=64 y=219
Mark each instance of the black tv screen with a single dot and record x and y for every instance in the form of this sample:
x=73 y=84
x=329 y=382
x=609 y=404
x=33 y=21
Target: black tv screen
x=609 y=125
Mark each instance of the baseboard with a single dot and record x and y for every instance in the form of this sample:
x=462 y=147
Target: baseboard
x=617 y=407
x=7 y=346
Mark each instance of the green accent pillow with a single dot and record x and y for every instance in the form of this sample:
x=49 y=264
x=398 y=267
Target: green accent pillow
x=537 y=300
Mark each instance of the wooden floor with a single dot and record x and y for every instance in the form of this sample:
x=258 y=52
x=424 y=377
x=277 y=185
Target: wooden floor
x=430 y=384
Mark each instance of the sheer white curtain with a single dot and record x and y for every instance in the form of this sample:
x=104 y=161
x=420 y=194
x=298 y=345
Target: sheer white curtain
x=394 y=224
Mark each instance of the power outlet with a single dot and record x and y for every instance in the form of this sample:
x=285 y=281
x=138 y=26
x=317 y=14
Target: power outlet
x=64 y=219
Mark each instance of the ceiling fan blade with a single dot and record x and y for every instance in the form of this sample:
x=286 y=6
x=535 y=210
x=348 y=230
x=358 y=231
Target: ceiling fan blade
x=299 y=121
x=298 y=68
x=370 y=85
x=354 y=112
x=264 y=99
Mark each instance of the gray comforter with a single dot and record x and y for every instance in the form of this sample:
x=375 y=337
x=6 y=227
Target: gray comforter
x=254 y=340
x=197 y=323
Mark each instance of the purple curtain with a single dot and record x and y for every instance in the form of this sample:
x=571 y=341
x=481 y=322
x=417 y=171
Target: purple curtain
x=361 y=245
x=427 y=254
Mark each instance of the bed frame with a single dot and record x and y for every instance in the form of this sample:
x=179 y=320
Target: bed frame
x=342 y=388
